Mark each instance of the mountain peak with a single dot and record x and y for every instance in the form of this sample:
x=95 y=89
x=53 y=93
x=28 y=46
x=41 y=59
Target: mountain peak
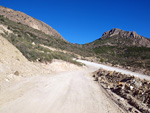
x=128 y=38
x=122 y=33
x=113 y=31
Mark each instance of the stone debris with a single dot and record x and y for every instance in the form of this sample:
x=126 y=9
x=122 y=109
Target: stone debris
x=132 y=89
x=16 y=73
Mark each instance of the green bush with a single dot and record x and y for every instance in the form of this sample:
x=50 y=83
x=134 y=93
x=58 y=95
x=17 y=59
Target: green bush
x=102 y=60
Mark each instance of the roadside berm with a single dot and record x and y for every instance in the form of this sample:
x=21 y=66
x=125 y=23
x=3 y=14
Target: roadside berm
x=129 y=92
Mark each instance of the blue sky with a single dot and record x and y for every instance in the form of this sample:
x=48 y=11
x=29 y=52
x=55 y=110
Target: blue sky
x=83 y=21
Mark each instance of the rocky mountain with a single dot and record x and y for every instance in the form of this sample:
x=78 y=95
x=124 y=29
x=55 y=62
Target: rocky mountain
x=116 y=31
x=25 y=19
x=127 y=38
x=118 y=37
x=124 y=48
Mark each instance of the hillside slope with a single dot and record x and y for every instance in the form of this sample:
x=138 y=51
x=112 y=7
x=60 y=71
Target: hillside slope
x=120 y=38
x=126 y=38
x=20 y=17
x=29 y=40
x=12 y=63
x=14 y=66
x=125 y=48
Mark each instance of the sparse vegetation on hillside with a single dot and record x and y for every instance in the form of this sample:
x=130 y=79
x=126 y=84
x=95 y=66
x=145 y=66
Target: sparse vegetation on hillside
x=24 y=36
x=125 y=51
x=125 y=56
x=111 y=41
x=115 y=49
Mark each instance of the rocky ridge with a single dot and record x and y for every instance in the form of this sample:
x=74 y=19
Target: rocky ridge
x=23 y=18
x=116 y=31
x=136 y=39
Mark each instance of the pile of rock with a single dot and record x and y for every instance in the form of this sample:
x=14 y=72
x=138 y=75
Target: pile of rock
x=134 y=90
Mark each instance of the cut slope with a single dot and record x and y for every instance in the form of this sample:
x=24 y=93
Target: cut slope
x=13 y=65
x=12 y=62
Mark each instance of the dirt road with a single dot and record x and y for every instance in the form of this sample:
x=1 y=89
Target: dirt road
x=110 y=68
x=66 y=92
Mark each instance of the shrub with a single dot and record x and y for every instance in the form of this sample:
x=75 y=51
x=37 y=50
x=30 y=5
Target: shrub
x=102 y=60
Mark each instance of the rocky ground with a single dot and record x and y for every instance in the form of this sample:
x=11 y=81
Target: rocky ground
x=131 y=93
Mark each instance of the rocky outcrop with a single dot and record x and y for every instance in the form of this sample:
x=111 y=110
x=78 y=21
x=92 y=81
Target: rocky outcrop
x=23 y=18
x=116 y=31
x=131 y=38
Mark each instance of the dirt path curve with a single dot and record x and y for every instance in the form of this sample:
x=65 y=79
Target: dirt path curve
x=110 y=68
x=67 y=92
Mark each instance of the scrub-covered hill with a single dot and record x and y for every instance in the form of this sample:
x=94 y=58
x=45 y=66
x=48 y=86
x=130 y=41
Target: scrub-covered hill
x=125 y=48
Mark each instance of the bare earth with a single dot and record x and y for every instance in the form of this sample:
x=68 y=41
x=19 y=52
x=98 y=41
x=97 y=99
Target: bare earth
x=65 y=92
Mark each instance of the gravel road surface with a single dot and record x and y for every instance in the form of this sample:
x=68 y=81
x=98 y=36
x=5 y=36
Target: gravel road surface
x=65 y=92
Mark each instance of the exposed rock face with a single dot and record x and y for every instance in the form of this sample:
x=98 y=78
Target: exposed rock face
x=116 y=31
x=137 y=40
x=23 y=18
